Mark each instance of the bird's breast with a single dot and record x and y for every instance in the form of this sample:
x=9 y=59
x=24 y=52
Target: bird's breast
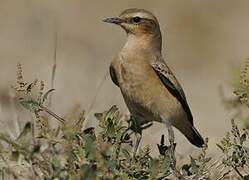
x=144 y=93
x=134 y=77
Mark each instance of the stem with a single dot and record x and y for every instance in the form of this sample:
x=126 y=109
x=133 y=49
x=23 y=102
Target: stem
x=33 y=131
x=52 y=114
x=53 y=68
x=3 y=173
x=225 y=174
x=100 y=84
x=237 y=171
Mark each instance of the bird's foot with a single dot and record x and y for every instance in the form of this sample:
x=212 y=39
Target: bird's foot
x=126 y=137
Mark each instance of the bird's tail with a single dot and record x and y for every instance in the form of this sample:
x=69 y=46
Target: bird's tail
x=191 y=134
x=195 y=138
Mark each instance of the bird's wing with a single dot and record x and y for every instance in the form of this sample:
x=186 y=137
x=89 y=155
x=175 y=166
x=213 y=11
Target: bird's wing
x=113 y=75
x=171 y=83
x=115 y=68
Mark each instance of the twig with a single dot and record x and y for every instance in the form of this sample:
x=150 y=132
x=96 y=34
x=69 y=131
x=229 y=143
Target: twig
x=33 y=132
x=225 y=174
x=3 y=173
x=52 y=113
x=101 y=82
x=237 y=171
x=54 y=68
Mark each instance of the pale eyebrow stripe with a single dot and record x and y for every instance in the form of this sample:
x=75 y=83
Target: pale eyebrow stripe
x=143 y=15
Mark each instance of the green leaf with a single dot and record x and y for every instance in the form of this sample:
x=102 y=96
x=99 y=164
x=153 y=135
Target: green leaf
x=30 y=105
x=88 y=172
x=111 y=125
x=25 y=136
x=165 y=166
x=55 y=163
x=15 y=155
x=90 y=148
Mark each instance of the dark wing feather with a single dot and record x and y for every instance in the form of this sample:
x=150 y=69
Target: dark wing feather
x=171 y=83
x=113 y=75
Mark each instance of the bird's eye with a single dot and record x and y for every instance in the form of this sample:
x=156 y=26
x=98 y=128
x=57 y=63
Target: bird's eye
x=136 y=19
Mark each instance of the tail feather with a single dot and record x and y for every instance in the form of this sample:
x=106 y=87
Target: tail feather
x=190 y=133
x=196 y=139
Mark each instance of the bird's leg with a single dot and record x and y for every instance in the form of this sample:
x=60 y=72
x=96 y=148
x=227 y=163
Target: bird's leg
x=138 y=133
x=172 y=145
x=172 y=150
x=138 y=139
x=126 y=135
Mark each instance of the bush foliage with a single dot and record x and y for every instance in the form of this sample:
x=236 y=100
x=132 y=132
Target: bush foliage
x=65 y=150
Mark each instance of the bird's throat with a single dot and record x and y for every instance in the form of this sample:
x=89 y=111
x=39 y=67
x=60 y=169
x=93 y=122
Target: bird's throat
x=150 y=42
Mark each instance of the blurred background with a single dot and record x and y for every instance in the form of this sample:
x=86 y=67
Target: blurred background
x=203 y=41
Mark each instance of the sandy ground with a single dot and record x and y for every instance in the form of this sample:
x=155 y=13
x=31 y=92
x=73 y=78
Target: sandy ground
x=202 y=42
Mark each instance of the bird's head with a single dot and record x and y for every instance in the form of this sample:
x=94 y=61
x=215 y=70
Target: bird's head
x=136 y=21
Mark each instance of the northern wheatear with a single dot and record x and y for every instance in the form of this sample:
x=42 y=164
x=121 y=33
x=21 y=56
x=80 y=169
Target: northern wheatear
x=150 y=90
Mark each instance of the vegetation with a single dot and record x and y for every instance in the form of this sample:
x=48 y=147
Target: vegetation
x=64 y=150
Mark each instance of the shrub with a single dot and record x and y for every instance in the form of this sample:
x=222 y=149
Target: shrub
x=68 y=151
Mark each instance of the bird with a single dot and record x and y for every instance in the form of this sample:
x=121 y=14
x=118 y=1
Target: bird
x=149 y=88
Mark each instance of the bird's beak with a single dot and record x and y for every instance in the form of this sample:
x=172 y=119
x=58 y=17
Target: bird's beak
x=114 y=20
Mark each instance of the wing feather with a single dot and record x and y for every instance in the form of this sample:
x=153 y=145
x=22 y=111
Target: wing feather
x=113 y=75
x=171 y=83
